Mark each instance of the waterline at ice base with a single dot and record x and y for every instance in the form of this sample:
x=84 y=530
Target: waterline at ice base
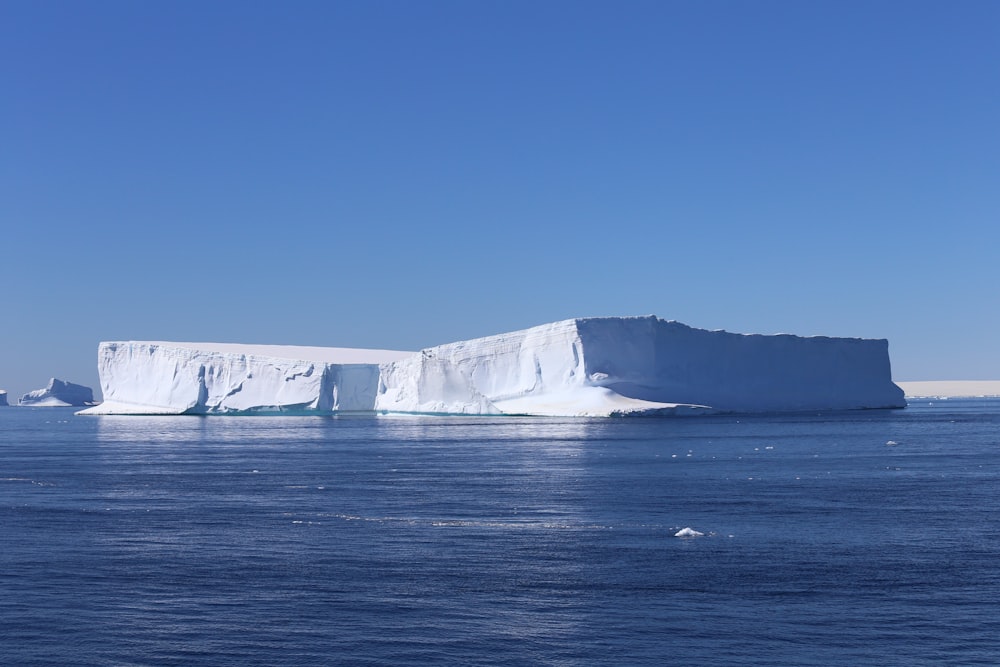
x=588 y=367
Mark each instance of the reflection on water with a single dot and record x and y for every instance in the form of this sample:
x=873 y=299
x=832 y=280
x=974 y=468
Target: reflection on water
x=224 y=429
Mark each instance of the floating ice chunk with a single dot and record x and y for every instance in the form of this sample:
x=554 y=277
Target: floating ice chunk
x=688 y=532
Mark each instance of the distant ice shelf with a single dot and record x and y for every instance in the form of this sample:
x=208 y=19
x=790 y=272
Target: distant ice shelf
x=588 y=367
x=951 y=388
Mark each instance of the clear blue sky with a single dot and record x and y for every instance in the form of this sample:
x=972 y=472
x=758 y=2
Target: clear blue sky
x=401 y=174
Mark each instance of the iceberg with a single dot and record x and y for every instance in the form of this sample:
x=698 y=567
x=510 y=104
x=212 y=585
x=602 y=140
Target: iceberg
x=3 y=398
x=58 y=394
x=588 y=367
x=688 y=532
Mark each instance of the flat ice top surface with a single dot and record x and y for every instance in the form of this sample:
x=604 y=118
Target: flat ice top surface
x=331 y=355
x=954 y=388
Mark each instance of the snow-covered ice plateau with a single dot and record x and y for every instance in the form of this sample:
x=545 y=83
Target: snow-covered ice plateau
x=591 y=367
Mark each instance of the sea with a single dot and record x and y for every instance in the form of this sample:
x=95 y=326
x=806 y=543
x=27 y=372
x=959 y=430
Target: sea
x=851 y=538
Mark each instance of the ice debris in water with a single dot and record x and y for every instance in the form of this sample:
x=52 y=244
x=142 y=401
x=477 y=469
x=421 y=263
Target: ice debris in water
x=688 y=532
x=890 y=443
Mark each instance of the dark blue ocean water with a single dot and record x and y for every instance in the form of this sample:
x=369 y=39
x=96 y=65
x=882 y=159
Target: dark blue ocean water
x=430 y=541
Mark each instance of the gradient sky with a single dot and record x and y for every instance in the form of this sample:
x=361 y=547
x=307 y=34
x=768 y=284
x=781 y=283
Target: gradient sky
x=401 y=174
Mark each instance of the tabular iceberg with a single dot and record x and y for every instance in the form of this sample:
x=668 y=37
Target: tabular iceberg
x=605 y=366
x=58 y=394
x=3 y=398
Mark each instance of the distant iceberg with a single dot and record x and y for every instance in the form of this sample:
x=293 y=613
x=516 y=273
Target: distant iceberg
x=3 y=398
x=58 y=394
x=591 y=367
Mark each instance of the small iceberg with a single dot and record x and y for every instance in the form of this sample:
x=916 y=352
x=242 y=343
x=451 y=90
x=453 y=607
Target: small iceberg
x=58 y=394
x=688 y=532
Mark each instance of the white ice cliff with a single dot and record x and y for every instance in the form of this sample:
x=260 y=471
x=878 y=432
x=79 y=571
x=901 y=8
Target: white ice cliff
x=58 y=394
x=207 y=378
x=581 y=367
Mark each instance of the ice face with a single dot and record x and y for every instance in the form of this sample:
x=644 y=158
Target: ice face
x=651 y=359
x=580 y=367
x=208 y=378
